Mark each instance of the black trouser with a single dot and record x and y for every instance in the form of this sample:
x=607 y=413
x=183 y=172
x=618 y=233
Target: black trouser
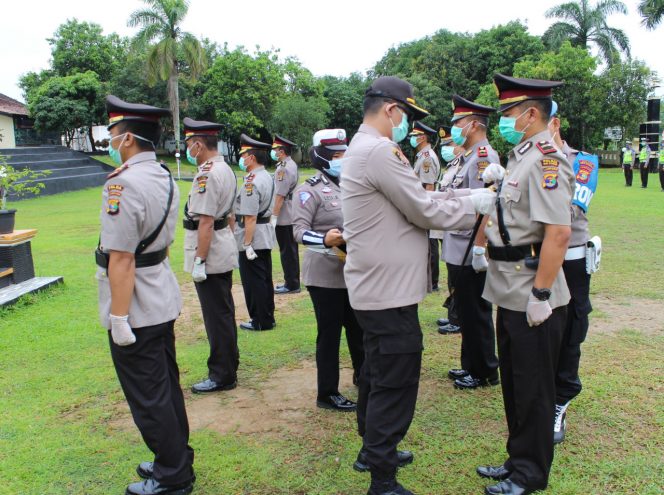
x=290 y=256
x=149 y=376
x=568 y=383
x=258 y=289
x=629 y=174
x=216 y=297
x=643 y=169
x=434 y=259
x=478 y=342
x=388 y=383
x=661 y=175
x=333 y=311
x=528 y=361
x=452 y=311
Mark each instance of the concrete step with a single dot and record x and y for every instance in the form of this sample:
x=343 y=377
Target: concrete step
x=54 y=173
x=32 y=150
x=40 y=157
x=12 y=293
x=68 y=183
x=54 y=163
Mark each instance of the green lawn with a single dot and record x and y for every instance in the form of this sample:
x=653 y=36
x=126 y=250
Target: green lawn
x=61 y=402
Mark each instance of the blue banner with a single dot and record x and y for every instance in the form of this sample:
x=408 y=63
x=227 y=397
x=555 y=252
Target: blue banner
x=586 y=170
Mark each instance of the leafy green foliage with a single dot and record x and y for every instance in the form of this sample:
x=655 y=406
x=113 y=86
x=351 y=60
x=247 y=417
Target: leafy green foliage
x=652 y=12
x=345 y=96
x=18 y=182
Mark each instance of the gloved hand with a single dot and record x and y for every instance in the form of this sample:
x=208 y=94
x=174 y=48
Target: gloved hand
x=250 y=253
x=537 y=312
x=480 y=263
x=492 y=173
x=485 y=202
x=273 y=220
x=121 y=331
x=481 y=190
x=198 y=273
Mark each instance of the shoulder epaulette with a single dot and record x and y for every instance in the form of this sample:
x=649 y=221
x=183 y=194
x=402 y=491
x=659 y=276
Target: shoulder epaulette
x=525 y=147
x=250 y=177
x=312 y=181
x=468 y=153
x=454 y=162
x=546 y=147
x=117 y=171
x=482 y=152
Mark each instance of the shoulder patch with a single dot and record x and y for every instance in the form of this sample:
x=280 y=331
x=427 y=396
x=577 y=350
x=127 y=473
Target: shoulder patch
x=546 y=147
x=114 y=189
x=249 y=188
x=585 y=170
x=250 y=177
x=468 y=153
x=482 y=152
x=113 y=206
x=525 y=147
x=313 y=181
x=207 y=166
x=201 y=183
x=305 y=196
x=402 y=158
x=117 y=171
x=281 y=172
x=550 y=173
x=481 y=165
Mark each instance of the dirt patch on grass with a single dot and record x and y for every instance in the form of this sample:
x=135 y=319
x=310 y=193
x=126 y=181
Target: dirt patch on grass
x=613 y=315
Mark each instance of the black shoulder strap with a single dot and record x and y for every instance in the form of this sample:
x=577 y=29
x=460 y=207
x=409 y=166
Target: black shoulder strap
x=261 y=213
x=143 y=245
x=502 y=228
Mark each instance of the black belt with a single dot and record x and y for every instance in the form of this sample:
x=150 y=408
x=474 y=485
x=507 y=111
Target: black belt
x=514 y=253
x=289 y=196
x=142 y=260
x=240 y=220
x=190 y=224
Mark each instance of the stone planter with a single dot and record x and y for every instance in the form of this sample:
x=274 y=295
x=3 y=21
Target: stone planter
x=7 y=219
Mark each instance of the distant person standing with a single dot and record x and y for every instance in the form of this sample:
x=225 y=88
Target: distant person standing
x=644 y=159
x=661 y=164
x=628 y=160
x=285 y=181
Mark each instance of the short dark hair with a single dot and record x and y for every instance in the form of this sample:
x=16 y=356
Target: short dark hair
x=261 y=155
x=286 y=149
x=210 y=142
x=147 y=130
x=482 y=119
x=374 y=103
x=544 y=106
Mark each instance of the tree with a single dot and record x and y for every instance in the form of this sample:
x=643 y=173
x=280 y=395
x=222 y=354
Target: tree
x=174 y=51
x=584 y=24
x=345 y=96
x=652 y=12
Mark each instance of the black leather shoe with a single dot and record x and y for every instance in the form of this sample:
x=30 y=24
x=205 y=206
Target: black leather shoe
x=456 y=373
x=442 y=322
x=560 y=424
x=285 y=290
x=468 y=382
x=435 y=288
x=361 y=466
x=211 y=386
x=153 y=487
x=387 y=488
x=449 y=329
x=498 y=473
x=336 y=402
x=145 y=470
x=249 y=325
x=507 y=487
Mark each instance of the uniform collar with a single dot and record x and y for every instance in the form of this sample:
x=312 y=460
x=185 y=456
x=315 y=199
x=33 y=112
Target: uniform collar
x=544 y=135
x=483 y=142
x=567 y=150
x=372 y=131
x=426 y=148
x=254 y=171
x=143 y=156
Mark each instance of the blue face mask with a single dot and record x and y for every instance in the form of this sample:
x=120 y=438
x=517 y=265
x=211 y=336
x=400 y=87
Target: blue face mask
x=507 y=128
x=115 y=153
x=273 y=155
x=400 y=132
x=192 y=159
x=335 y=167
x=457 y=135
x=447 y=152
x=413 y=141
x=241 y=164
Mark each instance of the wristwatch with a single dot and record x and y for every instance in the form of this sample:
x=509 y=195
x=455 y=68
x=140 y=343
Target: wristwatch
x=198 y=260
x=542 y=294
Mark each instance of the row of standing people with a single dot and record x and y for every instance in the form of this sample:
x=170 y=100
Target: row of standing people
x=641 y=160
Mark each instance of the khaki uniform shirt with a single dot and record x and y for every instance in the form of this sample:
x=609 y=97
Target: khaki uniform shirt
x=386 y=213
x=286 y=178
x=537 y=190
x=133 y=205
x=427 y=166
x=213 y=194
x=468 y=171
x=317 y=208
x=580 y=232
x=256 y=196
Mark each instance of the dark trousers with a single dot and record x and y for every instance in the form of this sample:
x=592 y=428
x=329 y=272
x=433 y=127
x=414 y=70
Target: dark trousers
x=333 y=311
x=150 y=380
x=478 y=342
x=661 y=175
x=434 y=259
x=258 y=289
x=643 y=169
x=388 y=383
x=451 y=303
x=290 y=256
x=568 y=383
x=218 y=309
x=629 y=174
x=528 y=361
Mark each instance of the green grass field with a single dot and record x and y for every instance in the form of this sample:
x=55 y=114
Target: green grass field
x=64 y=427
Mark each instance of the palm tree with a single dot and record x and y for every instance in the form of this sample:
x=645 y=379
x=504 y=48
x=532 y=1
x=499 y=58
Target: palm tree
x=174 y=49
x=583 y=24
x=652 y=12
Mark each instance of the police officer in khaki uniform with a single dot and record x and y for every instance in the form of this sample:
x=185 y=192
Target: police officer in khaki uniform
x=479 y=364
x=528 y=237
x=254 y=234
x=427 y=168
x=386 y=213
x=317 y=222
x=210 y=252
x=286 y=178
x=139 y=297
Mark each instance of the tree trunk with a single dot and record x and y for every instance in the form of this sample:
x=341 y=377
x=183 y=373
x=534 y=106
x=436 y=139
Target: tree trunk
x=174 y=101
x=92 y=139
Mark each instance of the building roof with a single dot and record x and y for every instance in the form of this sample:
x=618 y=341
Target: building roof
x=11 y=106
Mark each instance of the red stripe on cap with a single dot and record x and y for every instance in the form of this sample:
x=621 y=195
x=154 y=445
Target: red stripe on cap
x=117 y=116
x=530 y=92
x=468 y=110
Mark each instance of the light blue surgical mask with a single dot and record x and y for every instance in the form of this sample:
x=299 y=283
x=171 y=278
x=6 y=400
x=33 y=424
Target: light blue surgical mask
x=241 y=164
x=192 y=159
x=413 y=141
x=115 y=153
x=400 y=132
x=335 y=165
x=273 y=155
x=447 y=152
x=457 y=134
x=507 y=128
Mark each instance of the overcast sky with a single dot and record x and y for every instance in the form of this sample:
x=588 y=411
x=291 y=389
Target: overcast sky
x=336 y=37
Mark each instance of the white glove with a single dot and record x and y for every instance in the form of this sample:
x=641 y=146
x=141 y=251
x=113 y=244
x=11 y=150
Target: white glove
x=481 y=190
x=121 y=331
x=249 y=251
x=480 y=263
x=198 y=273
x=484 y=203
x=273 y=220
x=537 y=312
x=492 y=173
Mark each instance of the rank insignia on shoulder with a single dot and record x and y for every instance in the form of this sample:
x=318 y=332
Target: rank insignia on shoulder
x=480 y=168
x=546 y=147
x=304 y=196
x=250 y=177
x=482 y=152
x=525 y=147
x=313 y=180
x=117 y=171
x=202 y=183
x=402 y=158
x=468 y=153
x=113 y=206
x=207 y=166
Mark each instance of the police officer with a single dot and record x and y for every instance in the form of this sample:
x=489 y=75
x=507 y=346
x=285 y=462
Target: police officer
x=427 y=168
x=644 y=159
x=628 y=159
x=661 y=164
x=386 y=213
x=286 y=178
x=528 y=237
x=139 y=297
x=317 y=221
x=568 y=383
x=254 y=234
x=210 y=252
x=479 y=364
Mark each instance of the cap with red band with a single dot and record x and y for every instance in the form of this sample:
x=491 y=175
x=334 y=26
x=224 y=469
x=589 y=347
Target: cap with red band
x=464 y=108
x=332 y=139
x=282 y=142
x=200 y=128
x=515 y=90
x=248 y=144
x=119 y=111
